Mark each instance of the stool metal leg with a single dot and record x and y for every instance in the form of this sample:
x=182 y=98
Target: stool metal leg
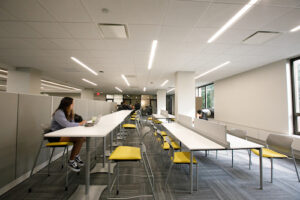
x=169 y=172
x=232 y=158
x=35 y=161
x=250 y=161
x=196 y=176
x=118 y=171
x=295 y=165
x=53 y=148
x=67 y=158
x=271 y=159
x=63 y=157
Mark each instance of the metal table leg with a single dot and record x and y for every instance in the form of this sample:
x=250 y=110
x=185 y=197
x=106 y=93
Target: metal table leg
x=191 y=171
x=104 y=147
x=87 y=168
x=261 y=168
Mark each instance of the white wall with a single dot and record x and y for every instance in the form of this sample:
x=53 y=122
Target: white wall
x=257 y=98
x=161 y=100
x=185 y=94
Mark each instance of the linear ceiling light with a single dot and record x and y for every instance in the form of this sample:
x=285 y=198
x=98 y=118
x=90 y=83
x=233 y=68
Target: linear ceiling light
x=164 y=83
x=3 y=76
x=125 y=79
x=83 y=65
x=144 y=89
x=90 y=82
x=297 y=28
x=49 y=82
x=53 y=86
x=118 y=89
x=4 y=71
x=213 y=69
x=152 y=54
x=238 y=15
x=170 y=90
x=2 y=85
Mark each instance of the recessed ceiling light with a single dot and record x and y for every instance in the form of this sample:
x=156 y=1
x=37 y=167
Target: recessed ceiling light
x=297 y=28
x=164 y=83
x=152 y=54
x=83 y=65
x=125 y=79
x=90 y=82
x=61 y=85
x=170 y=90
x=118 y=89
x=238 y=15
x=209 y=71
x=144 y=89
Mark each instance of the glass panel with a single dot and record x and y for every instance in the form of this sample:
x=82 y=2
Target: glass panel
x=203 y=97
x=210 y=96
x=296 y=65
x=298 y=124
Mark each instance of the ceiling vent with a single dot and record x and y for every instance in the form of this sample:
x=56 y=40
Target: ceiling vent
x=260 y=37
x=114 y=31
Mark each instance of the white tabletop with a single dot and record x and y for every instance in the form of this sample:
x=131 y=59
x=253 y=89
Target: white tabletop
x=239 y=143
x=192 y=140
x=105 y=125
x=159 y=116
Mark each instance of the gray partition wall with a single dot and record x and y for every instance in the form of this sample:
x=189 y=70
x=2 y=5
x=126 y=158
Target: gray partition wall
x=34 y=111
x=21 y=119
x=8 y=124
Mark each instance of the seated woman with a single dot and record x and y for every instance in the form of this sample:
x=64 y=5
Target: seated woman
x=63 y=117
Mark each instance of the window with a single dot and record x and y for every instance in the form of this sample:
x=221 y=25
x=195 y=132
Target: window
x=295 y=78
x=207 y=94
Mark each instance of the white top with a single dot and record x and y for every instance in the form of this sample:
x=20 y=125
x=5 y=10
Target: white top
x=105 y=125
x=192 y=140
x=239 y=143
x=159 y=116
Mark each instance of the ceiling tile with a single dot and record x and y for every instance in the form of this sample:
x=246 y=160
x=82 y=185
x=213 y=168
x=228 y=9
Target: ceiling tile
x=143 y=32
x=49 y=30
x=67 y=10
x=92 y=44
x=83 y=30
x=18 y=29
x=67 y=43
x=42 y=43
x=29 y=10
x=185 y=13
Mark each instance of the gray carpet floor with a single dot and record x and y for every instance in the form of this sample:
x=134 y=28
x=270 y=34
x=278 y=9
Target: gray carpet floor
x=217 y=180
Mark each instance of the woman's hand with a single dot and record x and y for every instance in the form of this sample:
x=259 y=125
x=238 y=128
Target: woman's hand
x=82 y=123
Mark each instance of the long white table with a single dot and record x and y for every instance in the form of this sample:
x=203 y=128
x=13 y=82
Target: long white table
x=160 y=116
x=193 y=141
x=103 y=128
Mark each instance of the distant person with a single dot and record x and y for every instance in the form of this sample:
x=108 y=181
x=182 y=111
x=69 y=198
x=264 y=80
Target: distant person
x=63 y=117
x=137 y=106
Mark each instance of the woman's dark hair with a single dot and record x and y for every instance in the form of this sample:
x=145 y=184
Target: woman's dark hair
x=64 y=105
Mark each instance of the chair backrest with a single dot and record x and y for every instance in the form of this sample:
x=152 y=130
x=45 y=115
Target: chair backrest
x=45 y=128
x=238 y=133
x=280 y=143
x=160 y=136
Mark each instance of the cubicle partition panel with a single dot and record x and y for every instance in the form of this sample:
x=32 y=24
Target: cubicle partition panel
x=8 y=134
x=33 y=113
x=21 y=119
x=81 y=108
x=185 y=121
x=212 y=131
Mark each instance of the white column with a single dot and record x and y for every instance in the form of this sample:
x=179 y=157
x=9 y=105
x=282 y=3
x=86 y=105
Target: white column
x=24 y=80
x=185 y=93
x=161 y=100
x=87 y=94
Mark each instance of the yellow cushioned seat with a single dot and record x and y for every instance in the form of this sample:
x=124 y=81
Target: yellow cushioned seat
x=126 y=153
x=163 y=133
x=183 y=157
x=132 y=118
x=167 y=146
x=268 y=153
x=173 y=119
x=129 y=126
x=157 y=122
x=149 y=118
x=58 y=144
